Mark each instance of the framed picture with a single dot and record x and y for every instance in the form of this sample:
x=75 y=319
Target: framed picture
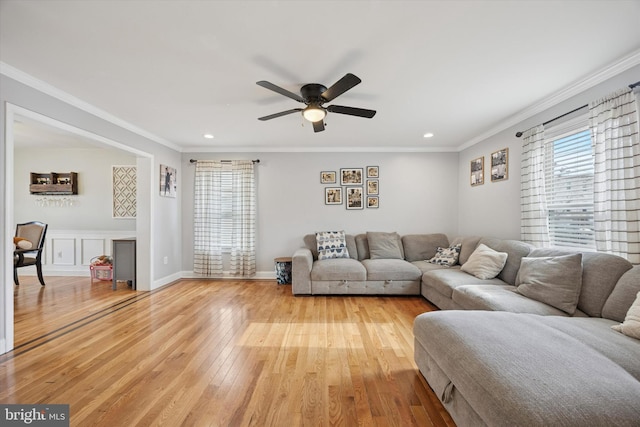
x=328 y=177
x=333 y=196
x=477 y=171
x=351 y=176
x=372 y=186
x=500 y=165
x=372 y=201
x=168 y=181
x=355 y=199
x=373 y=172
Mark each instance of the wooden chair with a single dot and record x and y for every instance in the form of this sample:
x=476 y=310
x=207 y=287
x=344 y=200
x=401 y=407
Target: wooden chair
x=34 y=232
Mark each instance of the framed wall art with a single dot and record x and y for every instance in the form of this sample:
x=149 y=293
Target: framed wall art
x=372 y=187
x=328 y=177
x=168 y=181
x=477 y=171
x=373 y=172
x=500 y=165
x=124 y=185
x=351 y=176
x=333 y=196
x=373 y=202
x=355 y=197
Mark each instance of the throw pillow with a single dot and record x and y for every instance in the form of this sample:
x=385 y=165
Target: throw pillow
x=631 y=324
x=485 y=263
x=555 y=281
x=331 y=244
x=384 y=245
x=447 y=256
x=22 y=243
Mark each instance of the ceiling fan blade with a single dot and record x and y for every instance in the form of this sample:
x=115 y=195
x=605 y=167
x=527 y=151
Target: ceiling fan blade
x=340 y=87
x=318 y=126
x=268 y=85
x=351 y=111
x=280 y=114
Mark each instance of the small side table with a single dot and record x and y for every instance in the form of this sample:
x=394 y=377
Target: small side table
x=283 y=270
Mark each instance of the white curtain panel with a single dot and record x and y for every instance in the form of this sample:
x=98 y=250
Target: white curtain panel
x=534 y=219
x=243 y=231
x=614 y=134
x=207 y=226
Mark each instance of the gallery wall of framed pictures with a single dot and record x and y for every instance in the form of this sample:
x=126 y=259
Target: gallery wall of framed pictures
x=499 y=167
x=355 y=188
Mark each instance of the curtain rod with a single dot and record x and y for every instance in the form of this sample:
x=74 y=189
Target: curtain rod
x=519 y=134
x=226 y=161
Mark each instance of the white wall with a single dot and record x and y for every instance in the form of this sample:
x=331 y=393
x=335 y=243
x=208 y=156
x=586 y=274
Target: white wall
x=493 y=209
x=417 y=195
x=92 y=209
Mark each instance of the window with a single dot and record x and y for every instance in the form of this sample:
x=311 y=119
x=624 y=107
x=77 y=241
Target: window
x=226 y=208
x=569 y=173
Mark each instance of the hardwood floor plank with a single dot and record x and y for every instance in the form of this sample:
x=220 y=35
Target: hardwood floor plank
x=217 y=353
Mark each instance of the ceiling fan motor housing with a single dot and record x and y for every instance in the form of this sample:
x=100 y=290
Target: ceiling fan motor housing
x=312 y=93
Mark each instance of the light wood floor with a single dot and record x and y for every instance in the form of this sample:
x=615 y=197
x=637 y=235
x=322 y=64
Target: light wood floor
x=216 y=353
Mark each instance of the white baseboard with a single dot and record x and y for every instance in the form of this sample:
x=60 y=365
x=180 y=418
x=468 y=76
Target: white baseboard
x=3 y=346
x=260 y=275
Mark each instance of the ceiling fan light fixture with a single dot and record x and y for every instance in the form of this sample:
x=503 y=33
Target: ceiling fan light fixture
x=314 y=113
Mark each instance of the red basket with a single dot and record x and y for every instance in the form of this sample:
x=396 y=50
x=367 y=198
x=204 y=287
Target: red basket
x=100 y=271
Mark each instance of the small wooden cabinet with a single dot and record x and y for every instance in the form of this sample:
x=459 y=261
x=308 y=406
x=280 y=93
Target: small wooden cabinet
x=54 y=183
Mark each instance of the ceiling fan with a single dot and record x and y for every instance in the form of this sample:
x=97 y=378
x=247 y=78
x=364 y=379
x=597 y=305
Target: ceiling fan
x=314 y=95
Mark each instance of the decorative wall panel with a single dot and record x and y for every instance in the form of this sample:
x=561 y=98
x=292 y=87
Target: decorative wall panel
x=124 y=191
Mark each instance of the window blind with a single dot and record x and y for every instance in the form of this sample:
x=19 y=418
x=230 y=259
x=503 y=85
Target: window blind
x=569 y=173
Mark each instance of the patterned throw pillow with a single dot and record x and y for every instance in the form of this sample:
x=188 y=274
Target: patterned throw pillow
x=447 y=256
x=331 y=244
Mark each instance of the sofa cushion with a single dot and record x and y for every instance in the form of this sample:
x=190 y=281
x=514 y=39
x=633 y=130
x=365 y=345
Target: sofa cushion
x=515 y=250
x=338 y=269
x=552 y=280
x=420 y=247
x=502 y=298
x=485 y=263
x=445 y=280
x=523 y=369
x=427 y=266
x=468 y=245
x=391 y=269
x=447 y=257
x=631 y=324
x=600 y=273
x=384 y=245
x=331 y=244
x=622 y=295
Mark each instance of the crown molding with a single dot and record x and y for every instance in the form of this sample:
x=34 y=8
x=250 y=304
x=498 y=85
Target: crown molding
x=67 y=98
x=573 y=89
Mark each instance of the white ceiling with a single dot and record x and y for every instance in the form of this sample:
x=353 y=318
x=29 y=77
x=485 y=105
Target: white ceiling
x=179 y=69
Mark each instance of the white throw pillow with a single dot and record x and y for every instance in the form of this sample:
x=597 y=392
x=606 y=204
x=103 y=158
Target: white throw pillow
x=331 y=244
x=631 y=324
x=485 y=263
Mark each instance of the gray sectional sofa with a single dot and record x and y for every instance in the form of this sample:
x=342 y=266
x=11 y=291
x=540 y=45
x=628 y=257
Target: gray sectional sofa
x=495 y=354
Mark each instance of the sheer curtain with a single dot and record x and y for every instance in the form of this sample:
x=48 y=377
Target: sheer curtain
x=243 y=229
x=534 y=222
x=614 y=133
x=224 y=217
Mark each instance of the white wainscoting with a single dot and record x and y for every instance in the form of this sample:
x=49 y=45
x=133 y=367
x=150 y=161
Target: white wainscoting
x=69 y=253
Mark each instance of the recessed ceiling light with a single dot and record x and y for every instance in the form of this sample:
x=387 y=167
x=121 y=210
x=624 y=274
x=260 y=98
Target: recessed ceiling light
x=428 y=135
x=208 y=136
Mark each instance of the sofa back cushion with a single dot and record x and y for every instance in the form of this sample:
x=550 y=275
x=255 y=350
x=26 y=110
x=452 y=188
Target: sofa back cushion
x=384 y=245
x=310 y=243
x=515 y=250
x=468 y=245
x=421 y=247
x=600 y=273
x=622 y=296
